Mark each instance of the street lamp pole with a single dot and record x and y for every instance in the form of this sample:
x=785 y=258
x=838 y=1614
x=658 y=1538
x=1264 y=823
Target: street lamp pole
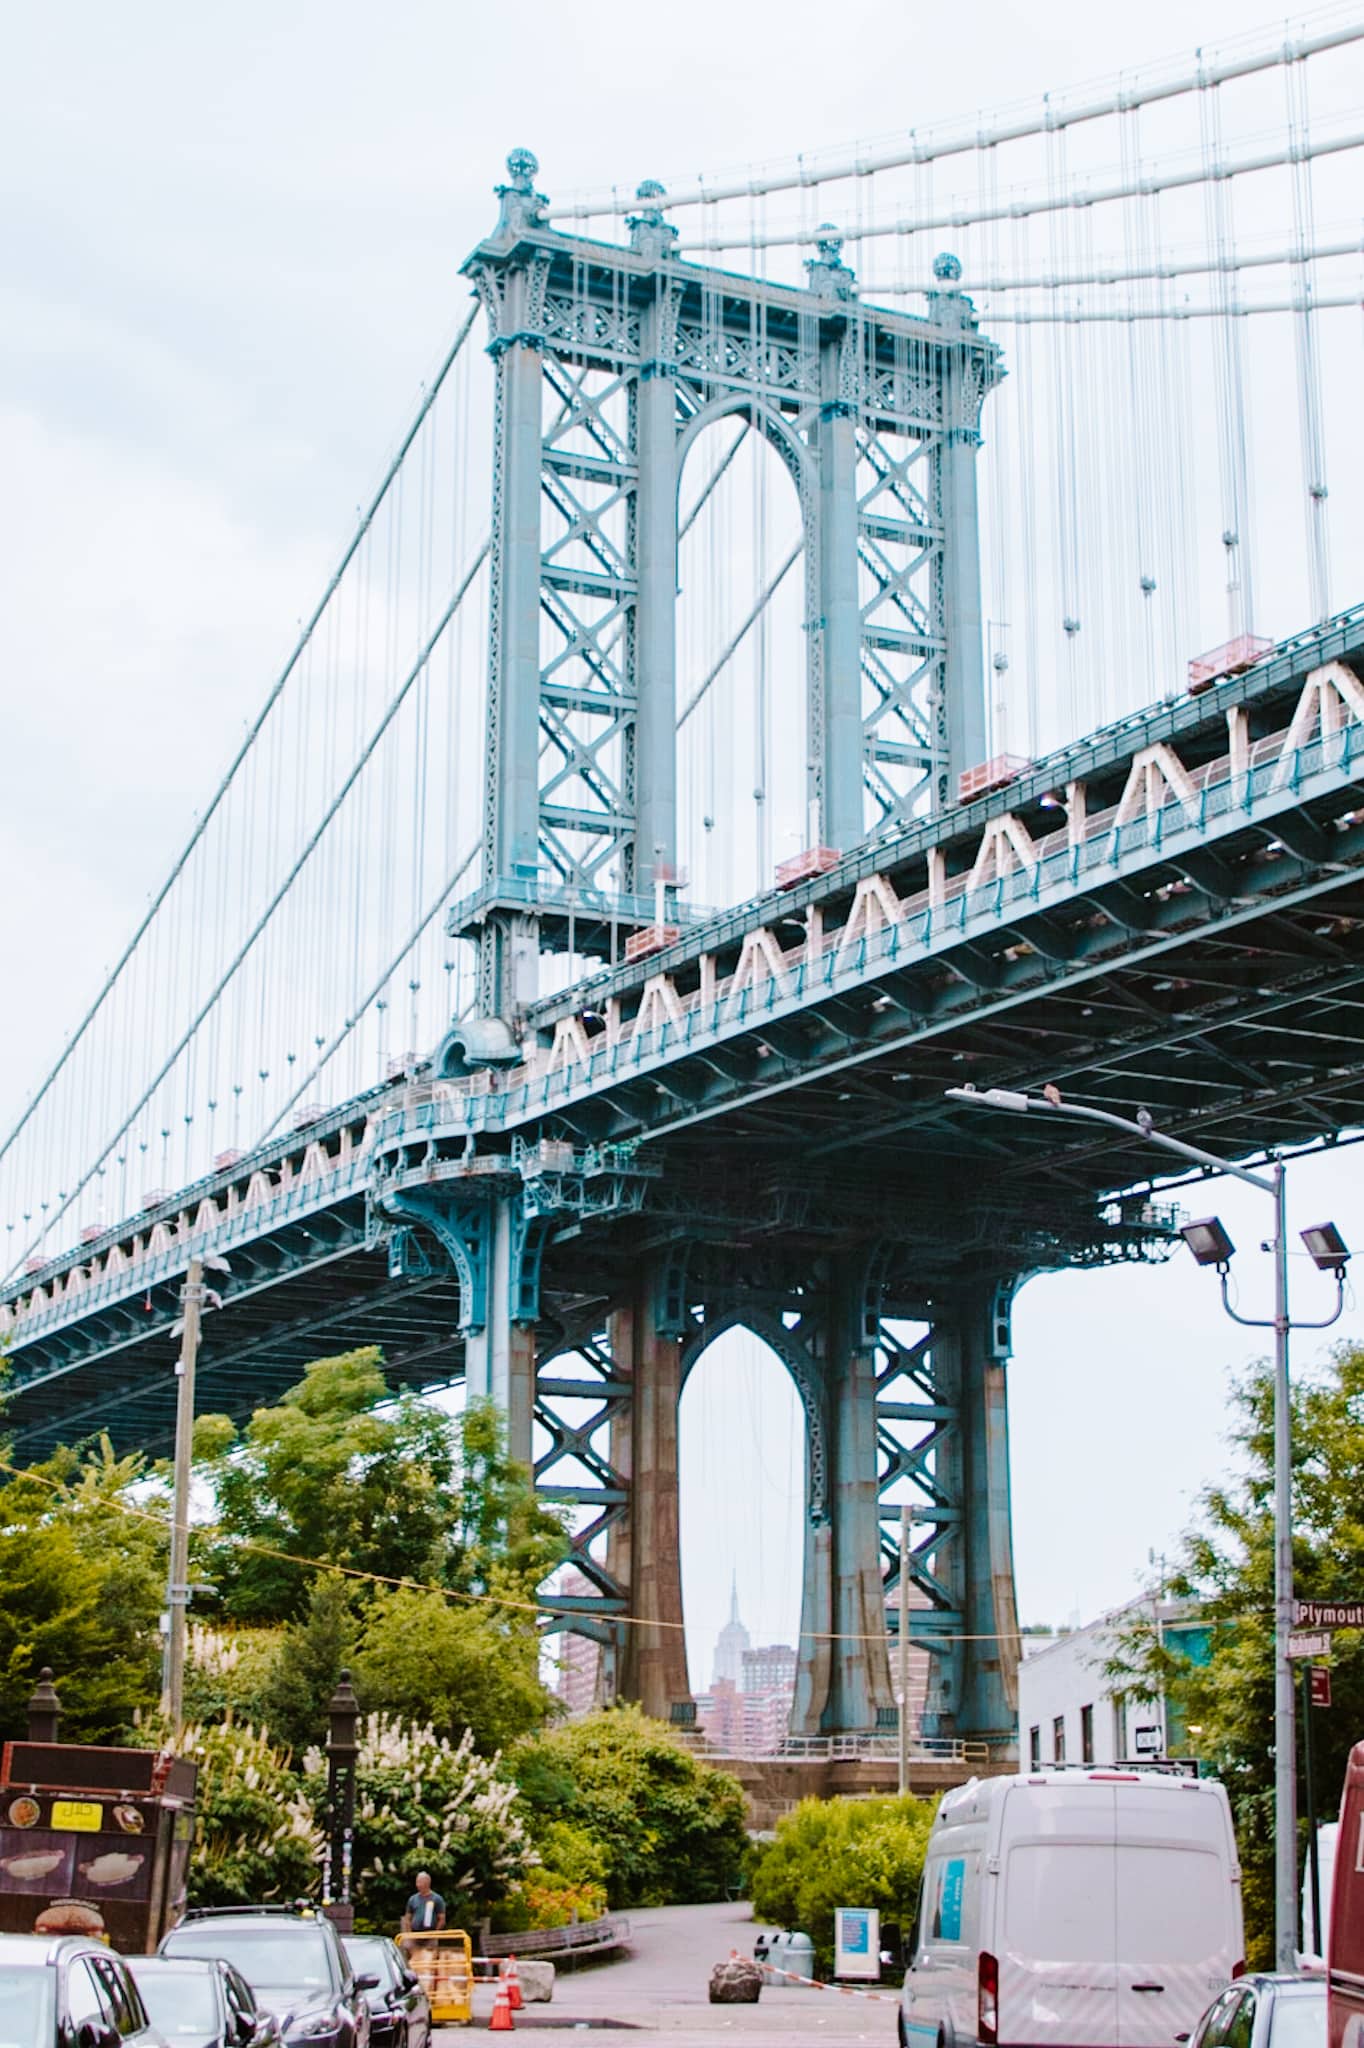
x=1273 y=1184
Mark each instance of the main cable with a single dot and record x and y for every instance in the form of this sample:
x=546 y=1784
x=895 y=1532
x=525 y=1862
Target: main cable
x=252 y=734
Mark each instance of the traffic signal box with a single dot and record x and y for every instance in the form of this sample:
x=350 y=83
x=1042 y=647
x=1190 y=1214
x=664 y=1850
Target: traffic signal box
x=109 y=1829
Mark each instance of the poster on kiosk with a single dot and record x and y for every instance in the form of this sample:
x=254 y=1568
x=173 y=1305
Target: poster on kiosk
x=857 y=1943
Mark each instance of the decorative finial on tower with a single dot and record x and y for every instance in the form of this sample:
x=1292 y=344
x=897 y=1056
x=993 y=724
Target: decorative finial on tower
x=650 y=233
x=950 y=306
x=830 y=276
x=522 y=206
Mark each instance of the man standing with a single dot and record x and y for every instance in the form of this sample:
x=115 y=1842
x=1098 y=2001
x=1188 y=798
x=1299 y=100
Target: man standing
x=425 y=1909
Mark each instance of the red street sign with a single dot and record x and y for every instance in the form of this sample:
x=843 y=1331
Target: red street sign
x=1319 y=1686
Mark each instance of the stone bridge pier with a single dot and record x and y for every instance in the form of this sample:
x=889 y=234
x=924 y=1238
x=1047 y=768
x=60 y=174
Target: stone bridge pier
x=902 y=1400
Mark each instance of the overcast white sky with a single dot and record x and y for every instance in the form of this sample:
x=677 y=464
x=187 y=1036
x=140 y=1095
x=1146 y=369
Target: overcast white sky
x=232 y=240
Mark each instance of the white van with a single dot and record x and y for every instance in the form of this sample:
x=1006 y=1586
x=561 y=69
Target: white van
x=1075 y=1909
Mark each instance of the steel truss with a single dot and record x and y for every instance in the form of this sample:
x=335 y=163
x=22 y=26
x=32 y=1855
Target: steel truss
x=610 y=362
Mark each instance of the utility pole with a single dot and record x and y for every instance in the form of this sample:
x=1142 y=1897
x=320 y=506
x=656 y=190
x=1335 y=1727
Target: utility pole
x=902 y=1648
x=177 y=1589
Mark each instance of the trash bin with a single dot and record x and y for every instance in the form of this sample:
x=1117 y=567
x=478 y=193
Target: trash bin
x=799 y=1955
x=775 y=1959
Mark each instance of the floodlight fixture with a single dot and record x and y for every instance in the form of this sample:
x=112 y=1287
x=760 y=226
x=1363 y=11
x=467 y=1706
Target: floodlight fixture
x=1208 y=1241
x=1326 y=1247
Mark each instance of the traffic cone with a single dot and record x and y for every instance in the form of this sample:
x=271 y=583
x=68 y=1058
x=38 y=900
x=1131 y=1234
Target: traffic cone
x=501 y=2022
x=513 y=1984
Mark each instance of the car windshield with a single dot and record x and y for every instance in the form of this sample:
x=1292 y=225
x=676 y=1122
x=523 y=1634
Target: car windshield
x=25 y=2005
x=369 y=1957
x=1298 y=2019
x=179 y=2001
x=292 y=1957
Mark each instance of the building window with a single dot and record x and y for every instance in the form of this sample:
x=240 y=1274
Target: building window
x=1086 y=1735
x=1034 y=1747
x=1058 y=1739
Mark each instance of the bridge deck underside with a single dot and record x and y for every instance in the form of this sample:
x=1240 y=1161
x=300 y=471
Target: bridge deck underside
x=1237 y=1041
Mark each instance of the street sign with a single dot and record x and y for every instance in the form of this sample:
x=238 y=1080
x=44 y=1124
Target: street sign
x=1328 y=1614
x=1319 y=1686
x=1148 y=1739
x=1309 y=1643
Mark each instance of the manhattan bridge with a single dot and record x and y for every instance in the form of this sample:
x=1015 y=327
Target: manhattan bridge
x=766 y=690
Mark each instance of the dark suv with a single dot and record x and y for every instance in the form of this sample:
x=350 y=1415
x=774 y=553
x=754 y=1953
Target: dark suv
x=294 y=1962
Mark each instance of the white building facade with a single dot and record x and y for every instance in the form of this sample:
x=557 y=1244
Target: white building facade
x=1069 y=1711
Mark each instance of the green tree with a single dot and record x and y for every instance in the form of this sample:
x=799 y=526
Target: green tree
x=670 y=1829
x=383 y=1487
x=426 y=1657
x=838 y=1852
x=82 y=1583
x=1228 y=1564
x=339 y=1472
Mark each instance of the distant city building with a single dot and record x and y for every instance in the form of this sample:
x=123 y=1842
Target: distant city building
x=772 y=1669
x=1068 y=1712
x=730 y=1645
x=747 y=1711
x=579 y=1659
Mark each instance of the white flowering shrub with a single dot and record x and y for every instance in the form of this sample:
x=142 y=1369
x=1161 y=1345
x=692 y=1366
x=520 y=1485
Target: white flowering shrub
x=426 y=1803
x=256 y=1838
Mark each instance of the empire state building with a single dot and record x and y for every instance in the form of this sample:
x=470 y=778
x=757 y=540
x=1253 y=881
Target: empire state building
x=731 y=1643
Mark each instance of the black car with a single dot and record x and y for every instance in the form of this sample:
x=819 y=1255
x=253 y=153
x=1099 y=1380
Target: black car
x=1270 y=2010
x=399 y=2010
x=202 y=2004
x=66 y=1991
x=294 y=1962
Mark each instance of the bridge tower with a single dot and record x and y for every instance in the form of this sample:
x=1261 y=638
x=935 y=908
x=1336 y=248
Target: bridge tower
x=610 y=361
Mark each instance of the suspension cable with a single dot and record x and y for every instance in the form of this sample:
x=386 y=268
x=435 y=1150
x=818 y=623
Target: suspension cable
x=1196 y=267
x=1073 y=201
x=1047 y=120
x=276 y=899
x=251 y=736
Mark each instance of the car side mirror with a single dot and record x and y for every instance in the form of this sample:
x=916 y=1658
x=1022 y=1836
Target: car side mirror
x=97 y=2034
x=410 y=1980
x=246 y=2029
x=369 y=1982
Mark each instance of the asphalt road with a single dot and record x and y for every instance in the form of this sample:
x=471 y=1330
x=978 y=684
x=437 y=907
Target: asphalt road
x=660 y=1985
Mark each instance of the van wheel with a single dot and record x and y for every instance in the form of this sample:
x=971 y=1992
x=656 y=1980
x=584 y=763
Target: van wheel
x=900 y=2034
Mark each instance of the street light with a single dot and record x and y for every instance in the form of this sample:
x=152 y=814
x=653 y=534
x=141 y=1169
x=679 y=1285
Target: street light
x=1211 y=1246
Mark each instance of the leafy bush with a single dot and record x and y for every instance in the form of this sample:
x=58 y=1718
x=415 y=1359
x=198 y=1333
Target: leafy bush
x=567 y=1883
x=842 y=1852
x=256 y=1836
x=670 y=1829
x=426 y=1803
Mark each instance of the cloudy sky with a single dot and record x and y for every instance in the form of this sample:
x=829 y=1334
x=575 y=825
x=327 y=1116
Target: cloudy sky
x=232 y=243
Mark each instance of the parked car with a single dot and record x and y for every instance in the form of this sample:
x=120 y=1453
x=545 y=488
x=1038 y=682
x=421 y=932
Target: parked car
x=1065 y=1907
x=294 y=1962
x=1270 y=2010
x=399 y=2010
x=203 y=2004
x=66 y=1991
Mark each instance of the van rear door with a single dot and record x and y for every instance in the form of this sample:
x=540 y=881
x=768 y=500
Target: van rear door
x=1177 y=1911
x=1058 y=1983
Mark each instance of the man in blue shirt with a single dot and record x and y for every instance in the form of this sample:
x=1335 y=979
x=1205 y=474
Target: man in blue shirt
x=425 y=1909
